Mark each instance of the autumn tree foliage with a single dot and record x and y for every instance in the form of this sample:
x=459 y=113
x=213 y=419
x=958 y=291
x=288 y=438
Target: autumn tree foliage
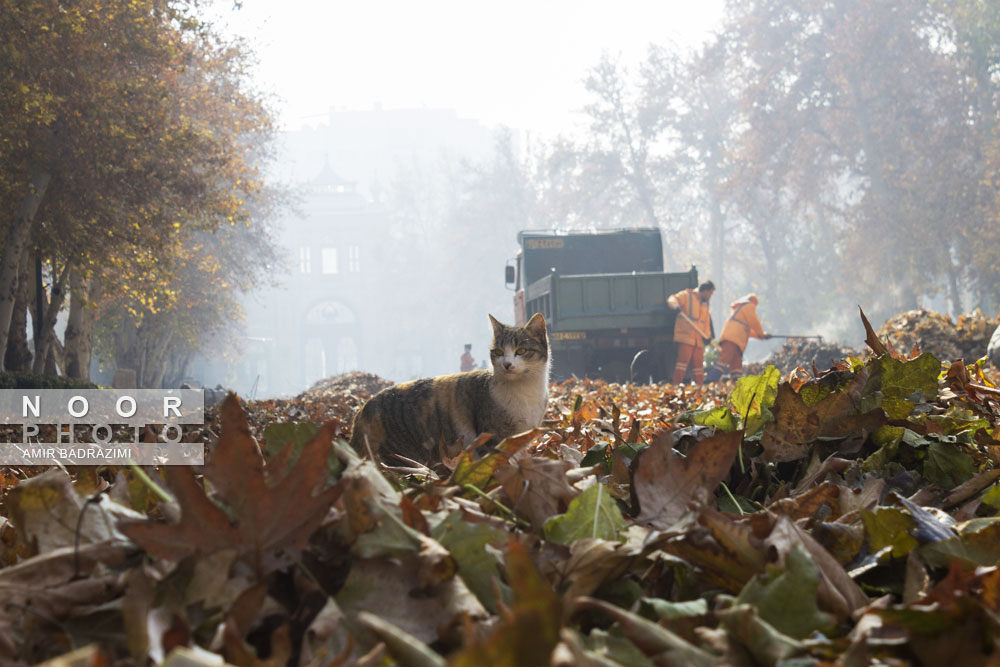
x=822 y=154
x=129 y=137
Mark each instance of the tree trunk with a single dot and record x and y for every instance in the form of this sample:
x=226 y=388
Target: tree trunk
x=47 y=333
x=51 y=368
x=18 y=355
x=80 y=327
x=180 y=371
x=13 y=248
x=157 y=342
x=954 y=290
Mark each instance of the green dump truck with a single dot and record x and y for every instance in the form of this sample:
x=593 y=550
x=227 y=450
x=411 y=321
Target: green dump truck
x=603 y=295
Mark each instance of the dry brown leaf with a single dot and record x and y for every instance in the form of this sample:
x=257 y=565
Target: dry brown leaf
x=537 y=488
x=790 y=436
x=726 y=552
x=665 y=482
x=268 y=514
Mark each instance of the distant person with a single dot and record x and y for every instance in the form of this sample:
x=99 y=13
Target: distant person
x=692 y=330
x=741 y=326
x=468 y=363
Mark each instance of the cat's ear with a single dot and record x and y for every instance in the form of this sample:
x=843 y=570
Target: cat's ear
x=497 y=327
x=536 y=326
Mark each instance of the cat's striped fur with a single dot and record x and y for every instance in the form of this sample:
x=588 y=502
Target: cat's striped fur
x=426 y=419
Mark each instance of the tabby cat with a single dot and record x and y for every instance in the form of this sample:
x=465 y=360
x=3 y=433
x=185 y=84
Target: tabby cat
x=426 y=419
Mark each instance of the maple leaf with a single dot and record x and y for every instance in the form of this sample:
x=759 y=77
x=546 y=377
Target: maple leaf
x=537 y=487
x=665 y=481
x=266 y=517
x=796 y=425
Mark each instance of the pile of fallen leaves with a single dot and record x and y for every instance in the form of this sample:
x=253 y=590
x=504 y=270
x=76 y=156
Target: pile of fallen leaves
x=849 y=517
x=337 y=397
x=941 y=336
x=355 y=383
x=808 y=353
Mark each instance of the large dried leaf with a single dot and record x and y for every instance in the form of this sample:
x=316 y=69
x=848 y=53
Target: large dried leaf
x=50 y=514
x=724 y=551
x=269 y=512
x=665 y=482
x=797 y=425
x=389 y=589
x=537 y=488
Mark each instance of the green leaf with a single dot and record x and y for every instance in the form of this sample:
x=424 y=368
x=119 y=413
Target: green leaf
x=279 y=434
x=889 y=527
x=592 y=514
x=736 y=504
x=814 y=392
x=929 y=620
x=959 y=420
x=947 y=465
x=721 y=418
x=901 y=379
x=652 y=638
x=477 y=565
x=753 y=397
x=767 y=644
x=974 y=548
x=992 y=496
x=615 y=648
x=786 y=598
x=887 y=439
x=475 y=472
x=403 y=646
x=297 y=434
x=903 y=383
x=391 y=538
x=672 y=610
x=596 y=455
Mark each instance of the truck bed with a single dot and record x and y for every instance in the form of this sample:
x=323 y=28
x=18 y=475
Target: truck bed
x=593 y=302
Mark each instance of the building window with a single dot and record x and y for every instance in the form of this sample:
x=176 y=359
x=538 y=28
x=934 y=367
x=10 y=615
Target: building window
x=305 y=265
x=329 y=260
x=354 y=259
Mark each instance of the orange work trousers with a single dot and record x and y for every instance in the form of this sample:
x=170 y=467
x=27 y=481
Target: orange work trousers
x=731 y=356
x=693 y=355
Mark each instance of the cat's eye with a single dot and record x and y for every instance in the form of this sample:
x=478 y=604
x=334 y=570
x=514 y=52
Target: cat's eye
x=521 y=351
x=496 y=352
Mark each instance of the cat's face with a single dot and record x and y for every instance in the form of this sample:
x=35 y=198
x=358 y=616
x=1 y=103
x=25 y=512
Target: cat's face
x=520 y=351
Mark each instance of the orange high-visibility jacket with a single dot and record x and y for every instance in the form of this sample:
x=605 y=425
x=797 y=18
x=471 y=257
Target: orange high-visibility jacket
x=743 y=324
x=691 y=306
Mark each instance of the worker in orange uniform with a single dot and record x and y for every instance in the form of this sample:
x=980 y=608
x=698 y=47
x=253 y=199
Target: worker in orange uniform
x=692 y=330
x=467 y=363
x=741 y=326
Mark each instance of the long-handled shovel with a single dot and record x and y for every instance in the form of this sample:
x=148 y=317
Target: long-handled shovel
x=694 y=324
x=794 y=336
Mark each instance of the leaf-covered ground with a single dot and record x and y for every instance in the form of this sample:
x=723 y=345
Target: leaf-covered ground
x=849 y=517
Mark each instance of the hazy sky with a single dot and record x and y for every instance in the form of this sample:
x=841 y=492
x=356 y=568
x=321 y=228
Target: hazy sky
x=518 y=63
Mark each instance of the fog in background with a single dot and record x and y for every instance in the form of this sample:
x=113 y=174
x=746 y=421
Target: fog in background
x=823 y=155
